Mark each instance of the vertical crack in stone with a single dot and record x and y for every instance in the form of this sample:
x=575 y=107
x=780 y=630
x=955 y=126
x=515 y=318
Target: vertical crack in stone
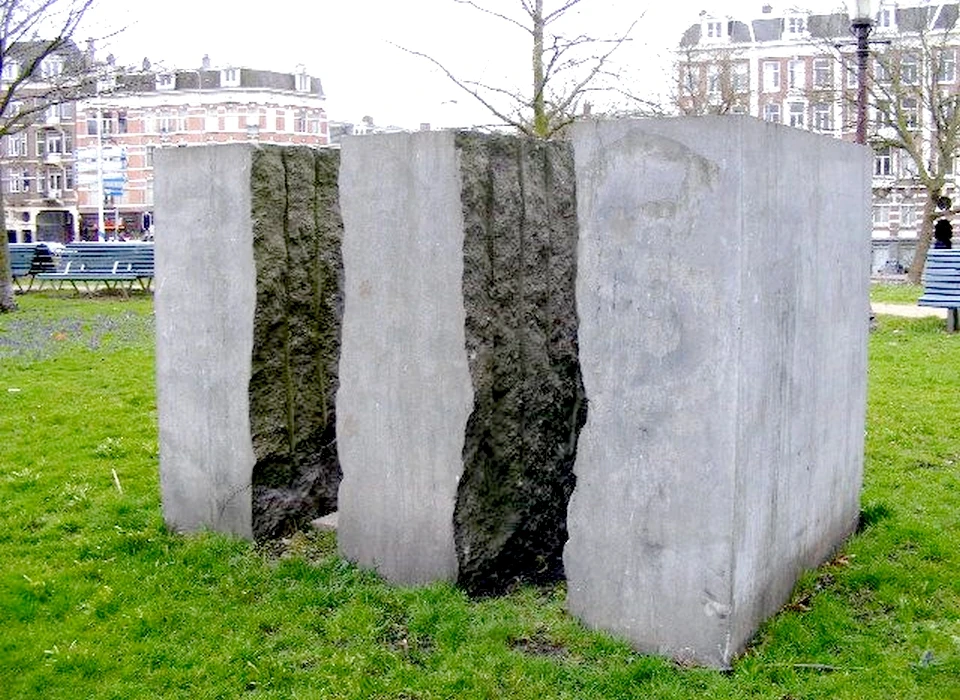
x=520 y=243
x=297 y=234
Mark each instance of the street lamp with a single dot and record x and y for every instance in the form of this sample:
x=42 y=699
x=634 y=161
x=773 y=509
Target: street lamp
x=861 y=23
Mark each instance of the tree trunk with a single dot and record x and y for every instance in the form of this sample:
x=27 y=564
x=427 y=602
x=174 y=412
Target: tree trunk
x=923 y=239
x=541 y=124
x=7 y=302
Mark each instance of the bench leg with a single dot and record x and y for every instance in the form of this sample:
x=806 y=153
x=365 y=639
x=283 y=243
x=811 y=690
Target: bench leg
x=953 y=322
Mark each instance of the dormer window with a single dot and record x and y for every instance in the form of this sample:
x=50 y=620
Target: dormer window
x=886 y=19
x=796 y=25
x=715 y=30
x=230 y=77
x=303 y=82
x=166 y=81
x=11 y=70
x=51 y=66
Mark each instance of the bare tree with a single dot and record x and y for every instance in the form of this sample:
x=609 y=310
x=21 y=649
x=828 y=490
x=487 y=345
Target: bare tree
x=34 y=74
x=913 y=91
x=711 y=82
x=564 y=69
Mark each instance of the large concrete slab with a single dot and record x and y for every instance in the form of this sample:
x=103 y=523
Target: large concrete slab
x=722 y=292
x=461 y=398
x=405 y=391
x=248 y=297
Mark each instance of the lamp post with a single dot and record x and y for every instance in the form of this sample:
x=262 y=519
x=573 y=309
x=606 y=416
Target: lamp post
x=861 y=23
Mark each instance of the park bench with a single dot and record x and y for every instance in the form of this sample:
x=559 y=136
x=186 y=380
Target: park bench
x=941 y=283
x=27 y=260
x=115 y=266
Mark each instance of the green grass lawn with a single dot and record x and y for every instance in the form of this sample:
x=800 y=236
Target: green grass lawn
x=887 y=293
x=97 y=600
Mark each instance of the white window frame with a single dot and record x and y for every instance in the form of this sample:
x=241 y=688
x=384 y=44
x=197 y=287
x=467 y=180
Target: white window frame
x=882 y=165
x=741 y=77
x=11 y=70
x=947 y=65
x=797 y=74
x=771 y=76
x=772 y=113
x=51 y=67
x=910 y=108
x=822 y=116
x=230 y=77
x=909 y=68
x=15 y=145
x=714 y=80
x=303 y=82
x=714 y=30
x=797 y=114
x=166 y=81
x=822 y=73
x=795 y=25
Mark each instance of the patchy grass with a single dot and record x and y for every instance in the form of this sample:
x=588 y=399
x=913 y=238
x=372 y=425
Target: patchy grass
x=98 y=600
x=895 y=293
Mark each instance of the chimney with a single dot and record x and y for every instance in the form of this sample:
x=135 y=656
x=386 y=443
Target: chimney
x=767 y=9
x=205 y=62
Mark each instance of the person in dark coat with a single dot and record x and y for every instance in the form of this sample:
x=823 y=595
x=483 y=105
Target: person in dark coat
x=942 y=234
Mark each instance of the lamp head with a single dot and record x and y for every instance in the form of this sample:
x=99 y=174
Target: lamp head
x=862 y=10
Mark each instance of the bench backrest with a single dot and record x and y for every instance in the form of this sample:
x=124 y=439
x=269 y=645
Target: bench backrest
x=108 y=257
x=941 y=279
x=30 y=258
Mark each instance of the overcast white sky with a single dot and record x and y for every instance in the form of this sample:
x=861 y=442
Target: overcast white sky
x=349 y=46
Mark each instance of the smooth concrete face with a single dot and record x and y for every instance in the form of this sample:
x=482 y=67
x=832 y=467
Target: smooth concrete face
x=204 y=336
x=405 y=391
x=722 y=293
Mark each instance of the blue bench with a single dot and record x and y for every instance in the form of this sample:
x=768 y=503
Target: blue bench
x=941 y=283
x=115 y=266
x=27 y=260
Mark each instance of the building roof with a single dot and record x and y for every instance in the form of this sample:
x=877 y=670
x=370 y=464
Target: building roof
x=936 y=16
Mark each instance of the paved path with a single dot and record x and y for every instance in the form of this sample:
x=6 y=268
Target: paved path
x=911 y=310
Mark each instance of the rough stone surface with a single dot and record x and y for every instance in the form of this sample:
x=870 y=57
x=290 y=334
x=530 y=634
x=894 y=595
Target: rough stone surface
x=296 y=337
x=247 y=336
x=722 y=292
x=520 y=242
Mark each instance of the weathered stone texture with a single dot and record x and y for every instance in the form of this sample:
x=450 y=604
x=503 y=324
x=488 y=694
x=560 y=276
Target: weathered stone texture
x=520 y=239
x=296 y=240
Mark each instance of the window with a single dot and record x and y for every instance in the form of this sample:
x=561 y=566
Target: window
x=882 y=165
x=881 y=214
x=886 y=18
x=303 y=82
x=911 y=115
x=797 y=74
x=108 y=126
x=148 y=156
x=121 y=122
x=714 y=30
x=741 y=77
x=281 y=120
x=51 y=67
x=850 y=70
x=881 y=73
x=11 y=70
x=797 y=111
x=15 y=145
x=822 y=75
x=713 y=80
x=230 y=77
x=796 y=25
x=771 y=113
x=771 y=76
x=882 y=114
x=166 y=81
x=313 y=123
x=947 y=67
x=168 y=122
x=822 y=117
x=91 y=124
x=300 y=121
x=18 y=181
x=908 y=215
x=909 y=69
x=54 y=142
x=54 y=181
